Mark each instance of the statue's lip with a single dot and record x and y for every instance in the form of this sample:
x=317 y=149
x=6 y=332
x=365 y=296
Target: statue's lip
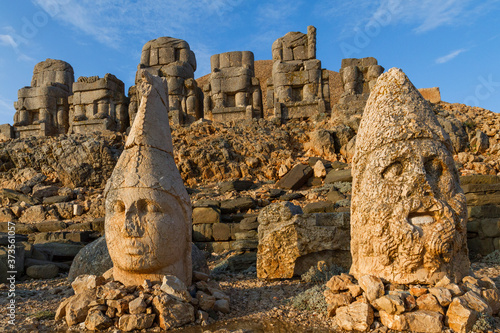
x=135 y=248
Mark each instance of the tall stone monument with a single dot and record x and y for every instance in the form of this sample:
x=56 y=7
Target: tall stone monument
x=148 y=210
x=299 y=87
x=98 y=104
x=173 y=59
x=42 y=109
x=358 y=78
x=408 y=212
x=233 y=91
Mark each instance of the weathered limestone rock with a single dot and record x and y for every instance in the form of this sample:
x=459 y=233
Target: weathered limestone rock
x=42 y=109
x=148 y=210
x=173 y=59
x=357 y=316
x=299 y=87
x=233 y=92
x=433 y=95
x=131 y=322
x=172 y=312
x=296 y=177
x=98 y=104
x=372 y=286
x=459 y=317
x=290 y=243
x=408 y=211
x=424 y=321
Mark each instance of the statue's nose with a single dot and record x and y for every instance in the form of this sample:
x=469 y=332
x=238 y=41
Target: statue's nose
x=418 y=183
x=131 y=226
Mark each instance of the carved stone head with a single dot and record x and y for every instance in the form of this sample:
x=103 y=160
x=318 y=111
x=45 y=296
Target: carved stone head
x=148 y=210
x=408 y=212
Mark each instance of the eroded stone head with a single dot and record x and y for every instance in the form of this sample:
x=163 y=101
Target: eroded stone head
x=148 y=210
x=409 y=215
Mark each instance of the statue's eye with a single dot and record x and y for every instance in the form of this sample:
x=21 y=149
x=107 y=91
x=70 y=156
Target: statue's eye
x=119 y=207
x=152 y=207
x=394 y=169
x=434 y=168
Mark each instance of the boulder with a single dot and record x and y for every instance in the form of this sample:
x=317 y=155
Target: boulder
x=291 y=242
x=93 y=259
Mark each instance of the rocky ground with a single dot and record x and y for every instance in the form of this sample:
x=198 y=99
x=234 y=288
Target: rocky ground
x=256 y=305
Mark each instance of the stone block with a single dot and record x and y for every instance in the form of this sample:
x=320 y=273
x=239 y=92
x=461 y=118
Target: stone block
x=166 y=55
x=202 y=215
x=490 y=227
x=234 y=205
x=338 y=176
x=484 y=211
x=235 y=185
x=302 y=238
x=480 y=246
x=202 y=233
x=474 y=188
x=42 y=271
x=433 y=95
x=319 y=207
x=299 y=53
x=51 y=226
x=221 y=231
x=479 y=179
x=476 y=199
x=296 y=177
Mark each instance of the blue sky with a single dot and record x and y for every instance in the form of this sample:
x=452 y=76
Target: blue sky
x=452 y=44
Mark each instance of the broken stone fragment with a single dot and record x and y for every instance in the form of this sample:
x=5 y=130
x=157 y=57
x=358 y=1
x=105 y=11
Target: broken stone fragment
x=85 y=282
x=424 y=321
x=459 y=317
x=356 y=316
x=390 y=304
x=97 y=321
x=335 y=301
x=174 y=287
x=372 y=286
x=130 y=322
x=77 y=307
x=172 y=312
x=430 y=303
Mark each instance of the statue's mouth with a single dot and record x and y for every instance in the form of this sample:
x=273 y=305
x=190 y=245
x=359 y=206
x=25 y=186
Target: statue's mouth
x=136 y=248
x=418 y=219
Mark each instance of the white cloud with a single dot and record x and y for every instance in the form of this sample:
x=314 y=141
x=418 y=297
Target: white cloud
x=8 y=40
x=450 y=56
x=11 y=39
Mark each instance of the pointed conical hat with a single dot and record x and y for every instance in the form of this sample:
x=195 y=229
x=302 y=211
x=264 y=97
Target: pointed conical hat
x=396 y=111
x=147 y=160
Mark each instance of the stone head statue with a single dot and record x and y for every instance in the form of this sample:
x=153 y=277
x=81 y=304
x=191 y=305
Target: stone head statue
x=148 y=210
x=408 y=212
